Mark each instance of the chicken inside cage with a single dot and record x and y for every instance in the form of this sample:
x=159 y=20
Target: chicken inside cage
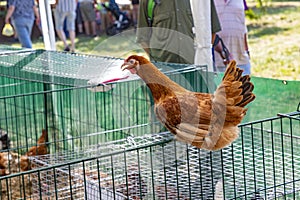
x=12 y=163
x=16 y=186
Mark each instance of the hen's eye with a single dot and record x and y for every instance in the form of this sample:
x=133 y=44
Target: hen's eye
x=131 y=61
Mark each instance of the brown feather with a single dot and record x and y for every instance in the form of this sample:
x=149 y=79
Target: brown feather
x=41 y=148
x=204 y=120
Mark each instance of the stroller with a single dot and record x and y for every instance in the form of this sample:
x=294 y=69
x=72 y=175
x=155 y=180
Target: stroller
x=122 y=21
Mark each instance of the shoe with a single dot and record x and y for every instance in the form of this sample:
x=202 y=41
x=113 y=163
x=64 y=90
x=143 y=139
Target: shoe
x=67 y=48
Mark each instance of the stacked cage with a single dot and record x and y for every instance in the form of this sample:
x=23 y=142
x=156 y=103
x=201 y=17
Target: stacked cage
x=109 y=145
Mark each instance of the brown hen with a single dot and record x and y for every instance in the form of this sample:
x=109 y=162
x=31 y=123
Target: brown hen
x=41 y=148
x=207 y=121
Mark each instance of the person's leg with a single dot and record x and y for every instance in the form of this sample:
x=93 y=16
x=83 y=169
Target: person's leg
x=84 y=14
x=71 y=28
x=135 y=11
x=87 y=27
x=23 y=28
x=59 y=25
x=79 y=21
x=91 y=17
x=72 y=38
x=93 y=25
x=103 y=21
x=62 y=36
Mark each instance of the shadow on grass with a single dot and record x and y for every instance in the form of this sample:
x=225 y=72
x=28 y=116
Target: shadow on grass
x=275 y=10
x=261 y=30
x=116 y=46
x=261 y=24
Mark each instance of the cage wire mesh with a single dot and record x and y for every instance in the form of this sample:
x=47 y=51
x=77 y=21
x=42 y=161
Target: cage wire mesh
x=109 y=145
x=262 y=164
x=156 y=167
x=146 y=167
x=46 y=89
x=49 y=90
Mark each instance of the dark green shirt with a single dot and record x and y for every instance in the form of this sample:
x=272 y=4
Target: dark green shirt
x=171 y=38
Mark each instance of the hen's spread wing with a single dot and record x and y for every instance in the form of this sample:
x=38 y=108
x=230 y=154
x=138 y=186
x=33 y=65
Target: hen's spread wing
x=187 y=115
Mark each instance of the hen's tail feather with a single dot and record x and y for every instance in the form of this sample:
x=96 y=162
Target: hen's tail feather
x=247 y=88
x=231 y=69
x=246 y=99
x=239 y=73
x=43 y=138
x=234 y=74
x=228 y=110
x=245 y=79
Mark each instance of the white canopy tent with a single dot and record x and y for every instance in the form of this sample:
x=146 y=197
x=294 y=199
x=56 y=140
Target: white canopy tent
x=202 y=28
x=201 y=11
x=47 y=24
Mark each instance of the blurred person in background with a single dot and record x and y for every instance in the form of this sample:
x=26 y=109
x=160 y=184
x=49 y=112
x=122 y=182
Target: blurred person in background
x=79 y=21
x=234 y=33
x=135 y=11
x=88 y=13
x=105 y=16
x=171 y=38
x=66 y=10
x=22 y=14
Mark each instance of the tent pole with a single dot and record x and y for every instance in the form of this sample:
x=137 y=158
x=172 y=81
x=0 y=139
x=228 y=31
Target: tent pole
x=47 y=25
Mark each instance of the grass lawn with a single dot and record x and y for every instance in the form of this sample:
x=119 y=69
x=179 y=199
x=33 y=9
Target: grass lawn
x=274 y=40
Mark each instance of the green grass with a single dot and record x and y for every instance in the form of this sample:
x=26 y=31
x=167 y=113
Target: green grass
x=274 y=38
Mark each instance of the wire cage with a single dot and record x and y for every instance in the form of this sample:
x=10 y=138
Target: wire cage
x=152 y=166
x=108 y=145
x=50 y=90
x=262 y=164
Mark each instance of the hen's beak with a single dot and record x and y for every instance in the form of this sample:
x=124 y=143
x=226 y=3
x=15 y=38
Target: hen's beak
x=125 y=65
x=129 y=66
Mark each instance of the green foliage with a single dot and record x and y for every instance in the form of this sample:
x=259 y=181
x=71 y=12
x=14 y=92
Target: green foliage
x=251 y=14
x=262 y=3
x=260 y=6
x=274 y=41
